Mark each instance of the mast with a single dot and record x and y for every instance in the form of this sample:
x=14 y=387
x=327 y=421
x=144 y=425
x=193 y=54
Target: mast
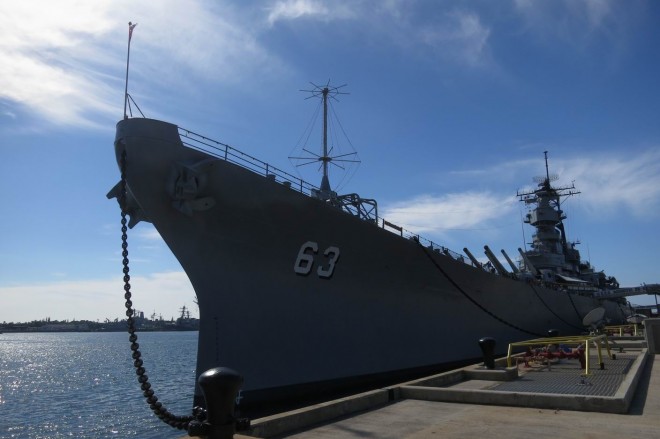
x=325 y=181
x=352 y=203
x=131 y=26
x=325 y=92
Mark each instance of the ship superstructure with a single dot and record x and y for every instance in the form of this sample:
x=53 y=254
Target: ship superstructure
x=552 y=258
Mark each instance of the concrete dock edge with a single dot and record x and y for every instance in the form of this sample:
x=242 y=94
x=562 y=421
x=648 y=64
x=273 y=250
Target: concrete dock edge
x=302 y=418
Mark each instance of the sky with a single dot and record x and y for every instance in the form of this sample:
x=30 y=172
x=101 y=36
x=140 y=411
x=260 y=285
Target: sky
x=450 y=106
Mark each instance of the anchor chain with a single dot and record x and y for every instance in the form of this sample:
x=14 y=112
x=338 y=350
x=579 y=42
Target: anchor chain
x=179 y=422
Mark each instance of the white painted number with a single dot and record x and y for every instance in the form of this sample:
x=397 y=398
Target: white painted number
x=305 y=260
x=333 y=255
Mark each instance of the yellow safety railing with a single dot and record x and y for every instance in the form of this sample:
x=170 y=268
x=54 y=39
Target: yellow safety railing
x=576 y=340
x=621 y=329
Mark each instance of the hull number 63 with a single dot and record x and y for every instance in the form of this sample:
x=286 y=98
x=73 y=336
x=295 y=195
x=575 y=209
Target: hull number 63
x=307 y=257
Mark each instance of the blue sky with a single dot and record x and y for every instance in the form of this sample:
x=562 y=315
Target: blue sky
x=451 y=106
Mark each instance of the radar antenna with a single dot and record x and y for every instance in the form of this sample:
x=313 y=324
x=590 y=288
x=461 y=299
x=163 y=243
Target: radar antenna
x=325 y=92
x=531 y=196
x=548 y=178
x=594 y=319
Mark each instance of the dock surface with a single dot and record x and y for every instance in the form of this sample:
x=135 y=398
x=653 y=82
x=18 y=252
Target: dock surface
x=415 y=417
x=617 y=396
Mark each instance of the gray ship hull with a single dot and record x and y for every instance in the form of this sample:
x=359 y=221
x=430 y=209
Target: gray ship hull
x=365 y=303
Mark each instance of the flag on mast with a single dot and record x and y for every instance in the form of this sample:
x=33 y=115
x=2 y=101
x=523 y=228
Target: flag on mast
x=131 y=26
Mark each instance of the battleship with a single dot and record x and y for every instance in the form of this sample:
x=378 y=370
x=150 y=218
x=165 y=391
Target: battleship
x=304 y=291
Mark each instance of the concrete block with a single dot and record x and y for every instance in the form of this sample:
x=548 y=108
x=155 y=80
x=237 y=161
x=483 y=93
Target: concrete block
x=652 y=331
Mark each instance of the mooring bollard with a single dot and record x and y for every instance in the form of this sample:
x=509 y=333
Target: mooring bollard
x=220 y=387
x=487 y=345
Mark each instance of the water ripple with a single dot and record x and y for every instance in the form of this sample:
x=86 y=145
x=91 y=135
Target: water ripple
x=84 y=385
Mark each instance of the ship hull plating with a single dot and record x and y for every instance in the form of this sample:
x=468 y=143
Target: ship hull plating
x=294 y=292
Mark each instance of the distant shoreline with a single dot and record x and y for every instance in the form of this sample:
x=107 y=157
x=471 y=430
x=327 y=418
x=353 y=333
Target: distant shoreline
x=141 y=324
x=33 y=330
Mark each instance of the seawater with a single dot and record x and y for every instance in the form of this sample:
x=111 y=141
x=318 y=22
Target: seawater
x=83 y=385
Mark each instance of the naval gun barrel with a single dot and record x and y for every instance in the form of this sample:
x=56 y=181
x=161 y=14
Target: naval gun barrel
x=528 y=263
x=508 y=259
x=472 y=258
x=493 y=260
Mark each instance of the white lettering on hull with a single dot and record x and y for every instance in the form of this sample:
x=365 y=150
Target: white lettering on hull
x=306 y=259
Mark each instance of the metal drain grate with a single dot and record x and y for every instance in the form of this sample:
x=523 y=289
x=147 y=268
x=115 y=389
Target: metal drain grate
x=566 y=378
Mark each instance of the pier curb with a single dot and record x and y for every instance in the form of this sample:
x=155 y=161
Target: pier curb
x=466 y=385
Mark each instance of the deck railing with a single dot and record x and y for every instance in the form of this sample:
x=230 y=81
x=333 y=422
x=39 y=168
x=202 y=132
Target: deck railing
x=232 y=155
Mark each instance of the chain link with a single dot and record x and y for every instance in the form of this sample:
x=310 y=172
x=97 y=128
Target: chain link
x=180 y=422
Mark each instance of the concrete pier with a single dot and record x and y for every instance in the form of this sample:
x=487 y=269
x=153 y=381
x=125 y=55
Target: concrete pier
x=543 y=400
x=414 y=418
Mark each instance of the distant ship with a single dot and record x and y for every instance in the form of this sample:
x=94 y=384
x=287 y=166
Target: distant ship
x=303 y=290
x=185 y=322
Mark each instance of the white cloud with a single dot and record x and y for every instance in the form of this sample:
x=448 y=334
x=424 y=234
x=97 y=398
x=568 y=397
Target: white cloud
x=596 y=11
x=295 y=9
x=436 y=31
x=609 y=183
x=97 y=299
x=292 y=9
x=616 y=184
x=61 y=96
x=453 y=34
x=41 y=61
x=149 y=233
x=462 y=36
x=570 y=21
x=9 y=114
x=64 y=61
x=198 y=40
x=440 y=214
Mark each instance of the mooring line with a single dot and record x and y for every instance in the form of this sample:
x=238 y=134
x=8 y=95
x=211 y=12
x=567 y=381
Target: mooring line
x=574 y=307
x=552 y=311
x=467 y=296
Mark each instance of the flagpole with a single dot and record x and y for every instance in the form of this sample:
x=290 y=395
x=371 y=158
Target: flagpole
x=128 y=57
